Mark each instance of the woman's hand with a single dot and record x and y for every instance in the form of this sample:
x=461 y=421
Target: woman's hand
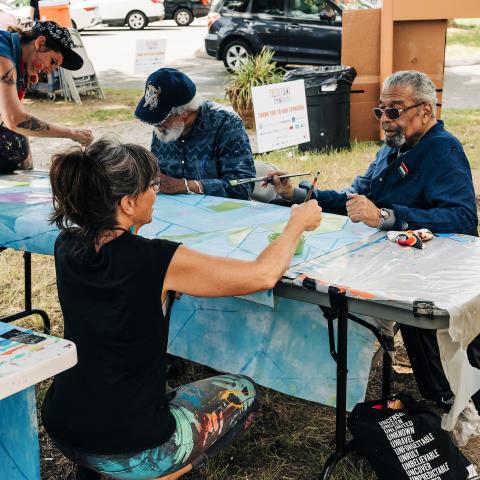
x=84 y=136
x=308 y=214
x=196 y=273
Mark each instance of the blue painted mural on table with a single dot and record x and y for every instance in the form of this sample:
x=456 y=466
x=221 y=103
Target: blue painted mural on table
x=19 y=448
x=282 y=346
x=285 y=348
x=26 y=358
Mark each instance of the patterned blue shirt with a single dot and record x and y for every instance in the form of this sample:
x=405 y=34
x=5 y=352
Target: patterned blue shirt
x=216 y=150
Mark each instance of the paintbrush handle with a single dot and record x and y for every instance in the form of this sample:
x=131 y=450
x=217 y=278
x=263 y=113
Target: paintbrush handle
x=309 y=193
x=269 y=179
x=266 y=179
x=312 y=186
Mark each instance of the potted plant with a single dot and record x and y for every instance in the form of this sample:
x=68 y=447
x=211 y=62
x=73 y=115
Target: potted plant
x=255 y=71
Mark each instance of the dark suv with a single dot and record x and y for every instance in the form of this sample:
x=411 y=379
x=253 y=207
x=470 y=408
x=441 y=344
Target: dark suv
x=298 y=31
x=184 y=11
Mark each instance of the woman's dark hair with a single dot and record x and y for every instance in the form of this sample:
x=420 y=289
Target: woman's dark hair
x=29 y=36
x=88 y=184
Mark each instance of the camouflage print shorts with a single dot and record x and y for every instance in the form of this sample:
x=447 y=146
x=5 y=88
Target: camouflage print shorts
x=209 y=415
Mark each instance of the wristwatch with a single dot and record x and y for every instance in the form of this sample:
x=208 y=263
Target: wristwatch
x=384 y=215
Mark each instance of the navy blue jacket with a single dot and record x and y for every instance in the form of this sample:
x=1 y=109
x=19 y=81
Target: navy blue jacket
x=437 y=192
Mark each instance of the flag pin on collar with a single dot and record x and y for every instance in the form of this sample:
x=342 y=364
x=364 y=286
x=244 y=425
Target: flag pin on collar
x=403 y=170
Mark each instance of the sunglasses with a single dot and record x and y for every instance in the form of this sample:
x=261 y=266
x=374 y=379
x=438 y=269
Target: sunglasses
x=155 y=185
x=392 y=113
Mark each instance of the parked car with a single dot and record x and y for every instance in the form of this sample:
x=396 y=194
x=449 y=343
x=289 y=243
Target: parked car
x=184 y=11
x=12 y=15
x=136 y=14
x=298 y=31
x=84 y=13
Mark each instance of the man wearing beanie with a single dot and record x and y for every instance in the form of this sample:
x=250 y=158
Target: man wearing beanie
x=200 y=145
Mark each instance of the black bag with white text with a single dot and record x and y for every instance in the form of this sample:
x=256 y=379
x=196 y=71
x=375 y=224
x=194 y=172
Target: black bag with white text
x=403 y=440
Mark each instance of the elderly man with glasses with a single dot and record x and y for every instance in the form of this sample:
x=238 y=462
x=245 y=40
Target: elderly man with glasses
x=200 y=145
x=420 y=178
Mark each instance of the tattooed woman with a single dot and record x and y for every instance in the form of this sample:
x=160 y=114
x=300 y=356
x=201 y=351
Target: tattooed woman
x=111 y=413
x=23 y=55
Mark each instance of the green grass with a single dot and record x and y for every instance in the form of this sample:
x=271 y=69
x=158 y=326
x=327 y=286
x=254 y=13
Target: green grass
x=469 y=36
x=466 y=22
x=337 y=168
x=118 y=107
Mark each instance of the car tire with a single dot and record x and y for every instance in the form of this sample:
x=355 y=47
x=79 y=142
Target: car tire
x=234 y=53
x=183 y=17
x=136 y=20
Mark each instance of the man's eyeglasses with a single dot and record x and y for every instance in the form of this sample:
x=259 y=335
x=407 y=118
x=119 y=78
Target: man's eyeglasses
x=165 y=120
x=392 y=113
x=155 y=185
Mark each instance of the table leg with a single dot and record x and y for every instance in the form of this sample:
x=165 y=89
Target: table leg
x=339 y=304
x=19 y=445
x=27 y=264
x=387 y=365
x=386 y=375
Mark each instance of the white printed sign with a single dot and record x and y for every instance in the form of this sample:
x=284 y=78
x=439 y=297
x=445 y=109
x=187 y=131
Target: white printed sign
x=280 y=115
x=149 y=55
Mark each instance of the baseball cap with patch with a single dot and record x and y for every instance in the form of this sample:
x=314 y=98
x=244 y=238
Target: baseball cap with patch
x=61 y=36
x=164 y=89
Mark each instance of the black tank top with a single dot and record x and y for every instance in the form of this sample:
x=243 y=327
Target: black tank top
x=113 y=400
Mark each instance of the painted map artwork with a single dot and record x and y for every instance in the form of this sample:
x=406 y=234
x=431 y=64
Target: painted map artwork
x=282 y=344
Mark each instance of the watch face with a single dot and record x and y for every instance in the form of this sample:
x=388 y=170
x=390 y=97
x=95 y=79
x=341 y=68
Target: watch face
x=384 y=213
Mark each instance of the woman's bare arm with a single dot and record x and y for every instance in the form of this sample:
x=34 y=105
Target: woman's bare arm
x=199 y=274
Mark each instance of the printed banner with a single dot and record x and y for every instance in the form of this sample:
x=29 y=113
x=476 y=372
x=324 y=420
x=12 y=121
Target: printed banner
x=280 y=115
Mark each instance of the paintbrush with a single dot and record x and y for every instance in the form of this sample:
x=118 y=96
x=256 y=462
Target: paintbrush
x=240 y=181
x=312 y=186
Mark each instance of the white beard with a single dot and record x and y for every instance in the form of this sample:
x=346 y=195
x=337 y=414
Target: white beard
x=172 y=134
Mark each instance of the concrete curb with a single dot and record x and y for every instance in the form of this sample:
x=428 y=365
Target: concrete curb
x=467 y=62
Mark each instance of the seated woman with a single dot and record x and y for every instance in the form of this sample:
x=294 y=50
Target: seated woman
x=111 y=412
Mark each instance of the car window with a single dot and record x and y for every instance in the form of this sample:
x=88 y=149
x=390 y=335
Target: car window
x=312 y=10
x=269 y=7
x=235 y=5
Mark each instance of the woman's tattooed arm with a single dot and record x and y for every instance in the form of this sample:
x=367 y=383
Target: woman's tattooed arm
x=33 y=124
x=8 y=78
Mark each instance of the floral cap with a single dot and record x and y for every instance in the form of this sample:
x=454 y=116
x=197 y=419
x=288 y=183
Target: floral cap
x=61 y=35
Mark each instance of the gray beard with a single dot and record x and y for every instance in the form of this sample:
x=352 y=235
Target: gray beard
x=396 y=141
x=170 y=135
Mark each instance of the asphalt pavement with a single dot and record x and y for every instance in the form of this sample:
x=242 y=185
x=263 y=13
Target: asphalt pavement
x=112 y=52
